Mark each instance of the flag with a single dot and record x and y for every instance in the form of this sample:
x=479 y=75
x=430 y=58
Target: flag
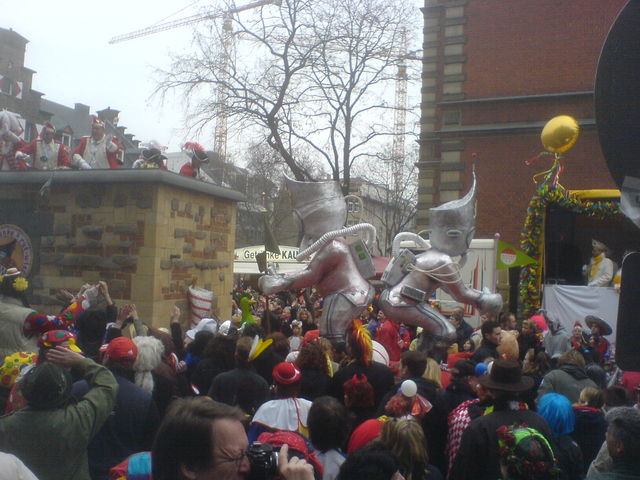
x=509 y=256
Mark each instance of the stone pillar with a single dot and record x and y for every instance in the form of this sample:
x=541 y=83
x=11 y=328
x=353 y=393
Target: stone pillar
x=148 y=233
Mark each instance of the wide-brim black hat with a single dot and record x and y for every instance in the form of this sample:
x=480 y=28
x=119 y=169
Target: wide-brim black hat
x=506 y=375
x=605 y=328
x=153 y=155
x=201 y=155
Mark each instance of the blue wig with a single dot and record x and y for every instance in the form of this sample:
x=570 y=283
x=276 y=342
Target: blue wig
x=556 y=409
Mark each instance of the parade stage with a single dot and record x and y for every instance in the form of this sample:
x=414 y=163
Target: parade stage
x=571 y=303
x=149 y=233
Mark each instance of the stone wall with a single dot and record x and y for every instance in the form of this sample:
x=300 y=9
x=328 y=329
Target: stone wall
x=149 y=234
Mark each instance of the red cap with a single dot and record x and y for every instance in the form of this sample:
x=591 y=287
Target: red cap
x=286 y=373
x=122 y=350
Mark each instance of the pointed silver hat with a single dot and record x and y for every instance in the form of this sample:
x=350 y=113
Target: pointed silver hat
x=452 y=224
x=319 y=206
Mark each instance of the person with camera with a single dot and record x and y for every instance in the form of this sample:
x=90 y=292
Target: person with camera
x=21 y=325
x=205 y=440
x=45 y=152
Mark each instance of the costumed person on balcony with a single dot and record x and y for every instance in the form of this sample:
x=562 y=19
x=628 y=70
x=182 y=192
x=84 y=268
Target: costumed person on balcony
x=151 y=157
x=97 y=151
x=10 y=142
x=411 y=279
x=599 y=271
x=335 y=270
x=198 y=158
x=45 y=153
x=20 y=324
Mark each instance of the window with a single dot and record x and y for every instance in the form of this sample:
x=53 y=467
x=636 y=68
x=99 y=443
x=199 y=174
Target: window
x=353 y=206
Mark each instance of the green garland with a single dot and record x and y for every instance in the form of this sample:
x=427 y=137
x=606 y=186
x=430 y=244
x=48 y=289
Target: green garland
x=546 y=195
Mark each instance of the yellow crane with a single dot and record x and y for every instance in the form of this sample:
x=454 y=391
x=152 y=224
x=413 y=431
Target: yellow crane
x=220 y=135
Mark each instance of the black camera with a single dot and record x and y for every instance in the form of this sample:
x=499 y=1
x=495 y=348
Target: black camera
x=264 y=461
x=44 y=159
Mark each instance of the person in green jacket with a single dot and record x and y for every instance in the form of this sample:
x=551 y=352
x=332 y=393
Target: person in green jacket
x=50 y=435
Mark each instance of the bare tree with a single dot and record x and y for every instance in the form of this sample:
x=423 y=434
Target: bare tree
x=389 y=197
x=317 y=76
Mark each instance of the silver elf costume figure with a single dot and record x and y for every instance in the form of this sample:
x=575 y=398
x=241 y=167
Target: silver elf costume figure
x=412 y=279
x=339 y=269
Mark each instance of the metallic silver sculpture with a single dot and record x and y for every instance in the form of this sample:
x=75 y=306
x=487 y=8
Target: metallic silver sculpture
x=339 y=268
x=413 y=279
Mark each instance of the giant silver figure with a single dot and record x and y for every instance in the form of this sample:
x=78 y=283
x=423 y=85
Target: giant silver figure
x=337 y=268
x=413 y=279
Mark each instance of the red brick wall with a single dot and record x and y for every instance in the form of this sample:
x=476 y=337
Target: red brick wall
x=505 y=183
x=525 y=47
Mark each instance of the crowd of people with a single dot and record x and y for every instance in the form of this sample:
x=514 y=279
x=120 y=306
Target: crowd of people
x=97 y=150
x=98 y=392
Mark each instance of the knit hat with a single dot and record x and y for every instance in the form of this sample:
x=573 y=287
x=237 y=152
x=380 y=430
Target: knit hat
x=286 y=373
x=47 y=386
x=122 y=350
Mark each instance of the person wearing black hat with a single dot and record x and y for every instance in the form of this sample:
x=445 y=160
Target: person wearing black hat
x=51 y=434
x=198 y=158
x=478 y=457
x=150 y=158
x=599 y=328
x=460 y=389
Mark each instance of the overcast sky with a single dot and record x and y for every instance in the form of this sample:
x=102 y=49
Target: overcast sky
x=69 y=50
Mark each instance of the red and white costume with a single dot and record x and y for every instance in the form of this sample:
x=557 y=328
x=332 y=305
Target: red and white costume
x=10 y=142
x=55 y=154
x=96 y=154
x=198 y=156
x=8 y=160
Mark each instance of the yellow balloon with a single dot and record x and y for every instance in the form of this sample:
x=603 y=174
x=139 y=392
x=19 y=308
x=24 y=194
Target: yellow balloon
x=560 y=134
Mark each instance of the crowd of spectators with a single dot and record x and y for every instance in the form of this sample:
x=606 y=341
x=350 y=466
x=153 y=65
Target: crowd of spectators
x=107 y=394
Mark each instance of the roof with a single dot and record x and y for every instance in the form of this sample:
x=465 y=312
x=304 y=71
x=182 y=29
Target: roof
x=124 y=175
x=10 y=31
x=76 y=118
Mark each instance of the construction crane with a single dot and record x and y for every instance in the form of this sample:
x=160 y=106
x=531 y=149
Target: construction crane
x=400 y=112
x=220 y=134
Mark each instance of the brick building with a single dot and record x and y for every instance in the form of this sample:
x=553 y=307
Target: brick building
x=16 y=95
x=493 y=75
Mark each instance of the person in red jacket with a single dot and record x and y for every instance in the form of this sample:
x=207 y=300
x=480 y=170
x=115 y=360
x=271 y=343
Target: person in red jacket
x=198 y=158
x=98 y=150
x=387 y=334
x=45 y=152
